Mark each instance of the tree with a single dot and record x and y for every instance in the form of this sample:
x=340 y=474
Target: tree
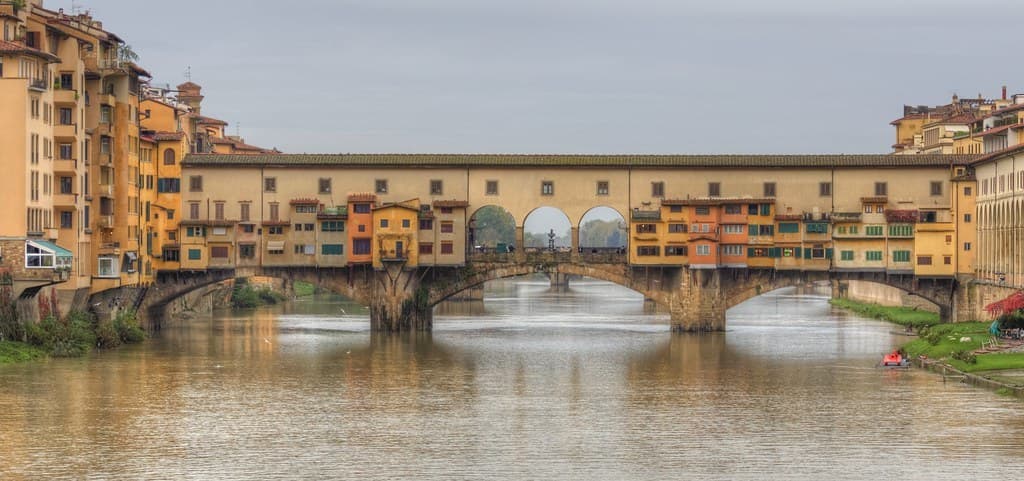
x=492 y=226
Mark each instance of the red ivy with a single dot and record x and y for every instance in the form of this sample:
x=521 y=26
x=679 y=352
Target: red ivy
x=1013 y=303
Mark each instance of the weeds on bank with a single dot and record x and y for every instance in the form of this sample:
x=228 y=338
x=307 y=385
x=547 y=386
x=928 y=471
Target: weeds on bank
x=246 y=296
x=904 y=316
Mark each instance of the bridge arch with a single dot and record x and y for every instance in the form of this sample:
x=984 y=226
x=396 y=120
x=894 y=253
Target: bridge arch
x=492 y=225
x=603 y=227
x=546 y=219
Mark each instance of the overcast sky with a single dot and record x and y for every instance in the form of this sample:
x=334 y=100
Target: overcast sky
x=572 y=76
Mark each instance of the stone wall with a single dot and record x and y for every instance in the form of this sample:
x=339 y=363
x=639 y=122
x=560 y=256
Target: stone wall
x=885 y=295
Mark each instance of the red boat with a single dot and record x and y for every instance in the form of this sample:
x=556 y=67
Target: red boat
x=894 y=359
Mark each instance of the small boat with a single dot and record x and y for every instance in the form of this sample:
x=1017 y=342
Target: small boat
x=894 y=360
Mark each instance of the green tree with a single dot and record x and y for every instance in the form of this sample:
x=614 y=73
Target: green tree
x=492 y=226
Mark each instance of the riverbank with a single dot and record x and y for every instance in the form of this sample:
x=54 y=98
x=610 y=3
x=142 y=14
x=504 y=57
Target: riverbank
x=15 y=352
x=904 y=316
x=951 y=349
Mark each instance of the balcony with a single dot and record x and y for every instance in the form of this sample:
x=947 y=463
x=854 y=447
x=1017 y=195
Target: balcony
x=65 y=131
x=392 y=256
x=105 y=190
x=107 y=99
x=106 y=222
x=38 y=85
x=106 y=159
x=68 y=166
x=65 y=96
x=65 y=200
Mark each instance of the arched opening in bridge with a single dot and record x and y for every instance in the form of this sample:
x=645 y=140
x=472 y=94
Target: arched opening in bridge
x=603 y=229
x=492 y=229
x=547 y=229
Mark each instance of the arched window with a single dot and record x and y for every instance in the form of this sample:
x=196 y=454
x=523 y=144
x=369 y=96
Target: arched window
x=169 y=157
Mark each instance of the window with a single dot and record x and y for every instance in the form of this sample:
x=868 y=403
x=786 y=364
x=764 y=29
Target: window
x=881 y=189
x=65 y=151
x=846 y=255
x=789 y=228
x=967 y=218
x=195 y=254
x=361 y=228
x=492 y=187
x=218 y=210
x=967 y=191
x=825 y=189
x=657 y=189
x=107 y=267
x=270 y=184
x=105 y=115
x=702 y=210
x=817 y=252
x=873 y=255
x=924 y=260
x=361 y=208
x=195 y=183
x=244 y=208
x=817 y=228
x=426 y=248
x=275 y=230
x=406 y=223
x=677 y=228
x=602 y=187
x=648 y=251
x=547 y=187
x=361 y=247
x=769 y=189
x=967 y=246
x=734 y=209
x=195 y=231
x=646 y=228
x=332 y=226
x=172 y=235
x=171 y=255
x=380 y=186
x=714 y=189
x=384 y=223
x=447 y=247
x=447 y=227
x=901 y=230
x=901 y=256
x=193 y=210
x=168 y=185
x=436 y=187
x=947 y=260
x=675 y=209
x=67 y=185
x=66 y=117
x=426 y=224
x=332 y=249
x=936 y=188
x=218 y=252
x=676 y=251
x=873 y=230
x=732 y=250
x=66 y=220
x=169 y=158
x=703 y=250
x=446 y=210
x=324 y=185
x=760 y=252
x=928 y=217
x=248 y=228
x=732 y=229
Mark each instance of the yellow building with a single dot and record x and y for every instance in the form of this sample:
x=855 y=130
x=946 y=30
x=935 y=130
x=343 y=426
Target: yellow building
x=395 y=234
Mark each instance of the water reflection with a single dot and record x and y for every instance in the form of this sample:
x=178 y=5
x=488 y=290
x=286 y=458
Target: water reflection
x=529 y=384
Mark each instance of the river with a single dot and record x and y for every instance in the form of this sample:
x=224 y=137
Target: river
x=530 y=384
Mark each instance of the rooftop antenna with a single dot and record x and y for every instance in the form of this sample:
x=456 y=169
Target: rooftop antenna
x=238 y=129
x=75 y=8
x=188 y=73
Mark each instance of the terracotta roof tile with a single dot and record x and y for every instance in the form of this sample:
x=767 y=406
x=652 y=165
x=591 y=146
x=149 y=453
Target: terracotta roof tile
x=362 y=197
x=168 y=136
x=14 y=47
x=210 y=120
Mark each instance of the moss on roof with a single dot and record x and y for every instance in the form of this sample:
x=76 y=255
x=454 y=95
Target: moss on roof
x=541 y=160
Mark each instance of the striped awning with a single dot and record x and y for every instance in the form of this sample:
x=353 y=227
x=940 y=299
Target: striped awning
x=275 y=245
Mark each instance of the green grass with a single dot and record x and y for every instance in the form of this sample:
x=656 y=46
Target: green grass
x=904 y=316
x=12 y=352
x=304 y=289
x=943 y=340
x=992 y=362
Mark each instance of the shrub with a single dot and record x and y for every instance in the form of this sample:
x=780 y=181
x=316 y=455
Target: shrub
x=71 y=337
x=966 y=356
x=127 y=327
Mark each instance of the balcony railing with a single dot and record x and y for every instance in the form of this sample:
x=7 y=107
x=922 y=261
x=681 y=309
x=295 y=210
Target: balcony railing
x=106 y=221
x=37 y=84
x=393 y=256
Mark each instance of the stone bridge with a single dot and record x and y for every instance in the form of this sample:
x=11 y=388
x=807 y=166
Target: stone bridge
x=402 y=299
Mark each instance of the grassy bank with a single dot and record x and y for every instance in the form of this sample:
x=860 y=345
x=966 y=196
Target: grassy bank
x=247 y=296
x=13 y=352
x=904 y=316
x=304 y=289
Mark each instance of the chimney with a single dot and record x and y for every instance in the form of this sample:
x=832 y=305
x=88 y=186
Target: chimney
x=1004 y=92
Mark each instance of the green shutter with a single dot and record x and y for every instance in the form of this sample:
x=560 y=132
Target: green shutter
x=807 y=253
x=750 y=252
x=828 y=253
x=752 y=229
x=766 y=209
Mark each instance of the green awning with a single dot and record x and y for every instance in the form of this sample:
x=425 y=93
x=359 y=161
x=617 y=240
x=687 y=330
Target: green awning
x=57 y=250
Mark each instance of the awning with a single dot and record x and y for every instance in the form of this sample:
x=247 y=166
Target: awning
x=50 y=247
x=132 y=256
x=275 y=246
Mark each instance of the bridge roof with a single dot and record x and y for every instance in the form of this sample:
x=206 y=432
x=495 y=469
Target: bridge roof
x=572 y=160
